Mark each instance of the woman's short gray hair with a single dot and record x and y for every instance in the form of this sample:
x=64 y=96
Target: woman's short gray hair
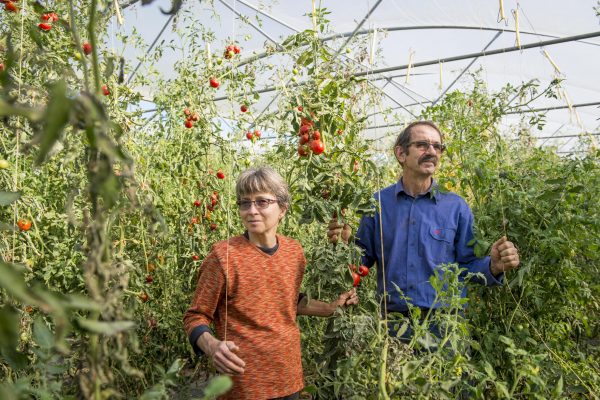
x=263 y=180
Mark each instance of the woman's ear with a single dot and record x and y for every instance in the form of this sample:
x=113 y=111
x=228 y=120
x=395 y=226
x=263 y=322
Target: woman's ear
x=282 y=212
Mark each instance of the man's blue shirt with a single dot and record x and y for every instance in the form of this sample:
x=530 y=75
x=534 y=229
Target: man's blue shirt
x=419 y=234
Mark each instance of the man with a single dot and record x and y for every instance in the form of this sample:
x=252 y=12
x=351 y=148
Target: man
x=421 y=228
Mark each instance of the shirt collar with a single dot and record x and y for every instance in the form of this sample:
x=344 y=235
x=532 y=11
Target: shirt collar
x=434 y=192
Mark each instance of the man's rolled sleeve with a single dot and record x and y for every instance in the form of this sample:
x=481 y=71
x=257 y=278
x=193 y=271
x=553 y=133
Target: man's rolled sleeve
x=365 y=239
x=465 y=254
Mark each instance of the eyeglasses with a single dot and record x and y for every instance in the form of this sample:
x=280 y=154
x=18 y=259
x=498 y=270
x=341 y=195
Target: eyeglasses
x=261 y=204
x=423 y=145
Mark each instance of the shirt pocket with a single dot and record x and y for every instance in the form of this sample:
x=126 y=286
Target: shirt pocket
x=437 y=244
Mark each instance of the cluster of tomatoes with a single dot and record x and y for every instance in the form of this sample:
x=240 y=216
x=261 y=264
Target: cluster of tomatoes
x=250 y=135
x=47 y=20
x=210 y=205
x=310 y=138
x=9 y=6
x=231 y=51
x=359 y=273
x=190 y=118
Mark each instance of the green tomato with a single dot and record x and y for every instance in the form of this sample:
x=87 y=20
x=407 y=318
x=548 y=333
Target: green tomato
x=4 y=164
x=295 y=71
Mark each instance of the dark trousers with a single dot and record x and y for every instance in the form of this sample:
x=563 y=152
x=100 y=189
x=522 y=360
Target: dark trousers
x=293 y=396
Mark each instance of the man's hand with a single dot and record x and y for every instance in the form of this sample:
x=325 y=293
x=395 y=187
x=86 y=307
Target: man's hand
x=348 y=298
x=222 y=354
x=337 y=230
x=504 y=256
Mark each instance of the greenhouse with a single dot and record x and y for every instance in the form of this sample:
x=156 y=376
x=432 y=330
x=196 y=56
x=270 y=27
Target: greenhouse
x=244 y=199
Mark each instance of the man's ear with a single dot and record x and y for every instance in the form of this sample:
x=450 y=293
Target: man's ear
x=400 y=155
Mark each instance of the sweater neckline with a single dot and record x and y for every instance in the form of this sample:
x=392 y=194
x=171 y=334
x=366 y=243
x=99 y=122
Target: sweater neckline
x=261 y=250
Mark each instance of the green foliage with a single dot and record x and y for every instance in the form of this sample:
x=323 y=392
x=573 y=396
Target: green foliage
x=111 y=192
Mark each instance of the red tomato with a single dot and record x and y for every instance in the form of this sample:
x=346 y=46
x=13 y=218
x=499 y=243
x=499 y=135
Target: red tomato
x=214 y=83
x=306 y=121
x=236 y=50
x=363 y=270
x=304 y=129
x=243 y=108
x=300 y=108
x=10 y=6
x=302 y=150
x=149 y=279
x=43 y=26
x=188 y=124
x=229 y=52
x=195 y=257
x=316 y=135
x=213 y=226
x=105 y=90
x=144 y=297
x=258 y=134
x=249 y=135
x=197 y=203
x=195 y=117
x=187 y=112
x=317 y=146
x=24 y=225
x=304 y=138
x=220 y=174
x=356 y=279
x=194 y=220
x=87 y=48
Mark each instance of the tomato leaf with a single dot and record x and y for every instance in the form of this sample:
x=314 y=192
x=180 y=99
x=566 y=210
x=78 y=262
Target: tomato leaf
x=56 y=117
x=218 y=386
x=7 y=198
x=104 y=327
x=13 y=281
x=41 y=334
x=9 y=332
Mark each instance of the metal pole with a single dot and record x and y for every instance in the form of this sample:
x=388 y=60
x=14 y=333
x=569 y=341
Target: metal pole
x=151 y=46
x=466 y=68
x=424 y=27
x=456 y=58
x=484 y=53
x=258 y=10
x=356 y=30
x=596 y=103
x=253 y=25
x=433 y=27
x=567 y=136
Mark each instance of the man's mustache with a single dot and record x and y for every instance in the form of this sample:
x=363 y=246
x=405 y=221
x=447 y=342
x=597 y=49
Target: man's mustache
x=427 y=158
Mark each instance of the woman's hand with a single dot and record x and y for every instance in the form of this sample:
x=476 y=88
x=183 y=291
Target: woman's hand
x=347 y=299
x=222 y=354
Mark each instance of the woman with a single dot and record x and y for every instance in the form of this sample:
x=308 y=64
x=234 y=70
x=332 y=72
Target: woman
x=248 y=286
